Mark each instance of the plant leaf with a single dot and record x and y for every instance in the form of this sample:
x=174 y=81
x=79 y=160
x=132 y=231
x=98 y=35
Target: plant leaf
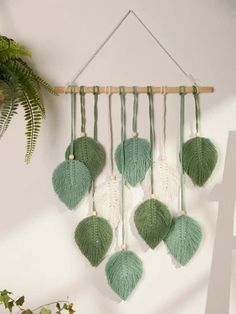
x=20 y=301
x=71 y=181
x=199 y=159
x=124 y=269
x=93 y=236
x=9 y=49
x=45 y=311
x=137 y=157
x=153 y=220
x=183 y=238
x=90 y=152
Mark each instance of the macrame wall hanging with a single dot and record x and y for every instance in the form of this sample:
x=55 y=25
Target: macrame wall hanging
x=85 y=158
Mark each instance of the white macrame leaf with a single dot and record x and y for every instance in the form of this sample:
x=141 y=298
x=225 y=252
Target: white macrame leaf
x=166 y=180
x=107 y=199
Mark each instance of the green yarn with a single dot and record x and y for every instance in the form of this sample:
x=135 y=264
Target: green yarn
x=199 y=159
x=153 y=220
x=124 y=269
x=93 y=236
x=183 y=238
x=137 y=156
x=71 y=181
x=90 y=152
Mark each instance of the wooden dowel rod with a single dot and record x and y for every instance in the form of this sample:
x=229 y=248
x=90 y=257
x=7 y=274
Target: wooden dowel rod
x=128 y=89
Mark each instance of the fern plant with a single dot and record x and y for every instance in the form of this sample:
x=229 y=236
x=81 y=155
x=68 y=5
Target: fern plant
x=20 y=85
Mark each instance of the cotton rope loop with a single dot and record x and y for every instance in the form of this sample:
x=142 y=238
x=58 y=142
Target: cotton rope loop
x=107 y=195
x=166 y=184
x=93 y=236
x=185 y=233
x=86 y=149
x=199 y=153
x=137 y=152
x=124 y=268
x=152 y=218
x=71 y=179
x=123 y=271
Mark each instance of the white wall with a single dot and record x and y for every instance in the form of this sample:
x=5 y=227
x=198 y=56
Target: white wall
x=38 y=254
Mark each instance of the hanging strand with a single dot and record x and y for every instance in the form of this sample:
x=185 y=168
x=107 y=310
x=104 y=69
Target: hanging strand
x=182 y=110
x=82 y=109
x=123 y=123
x=163 y=141
x=152 y=134
x=197 y=108
x=73 y=118
x=95 y=112
x=110 y=131
x=135 y=112
x=157 y=41
x=95 y=136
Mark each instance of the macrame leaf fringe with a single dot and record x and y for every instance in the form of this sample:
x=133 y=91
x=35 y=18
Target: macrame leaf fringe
x=166 y=184
x=183 y=238
x=199 y=159
x=71 y=181
x=107 y=199
x=153 y=220
x=137 y=159
x=90 y=152
x=124 y=269
x=93 y=236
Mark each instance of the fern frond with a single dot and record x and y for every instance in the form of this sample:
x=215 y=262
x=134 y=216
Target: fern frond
x=33 y=118
x=9 y=108
x=29 y=72
x=9 y=49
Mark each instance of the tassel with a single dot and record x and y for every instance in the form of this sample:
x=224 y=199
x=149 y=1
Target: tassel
x=137 y=153
x=199 y=153
x=71 y=179
x=124 y=270
x=185 y=233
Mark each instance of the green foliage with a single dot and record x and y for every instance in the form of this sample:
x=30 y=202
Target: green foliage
x=199 y=159
x=71 y=181
x=137 y=156
x=153 y=220
x=183 y=238
x=93 y=236
x=20 y=86
x=90 y=152
x=10 y=304
x=124 y=269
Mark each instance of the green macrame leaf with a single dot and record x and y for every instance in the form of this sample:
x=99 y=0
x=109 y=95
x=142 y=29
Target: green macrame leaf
x=91 y=153
x=199 y=159
x=71 y=181
x=183 y=238
x=93 y=236
x=153 y=220
x=137 y=159
x=124 y=269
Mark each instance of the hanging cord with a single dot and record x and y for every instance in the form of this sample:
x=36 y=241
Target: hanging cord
x=163 y=141
x=123 y=135
x=135 y=112
x=95 y=136
x=110 y=131
x=182 y=110
x=197 y=108
x=152 y=133
x=73 y=118
x=82 y=109
x=188 y=75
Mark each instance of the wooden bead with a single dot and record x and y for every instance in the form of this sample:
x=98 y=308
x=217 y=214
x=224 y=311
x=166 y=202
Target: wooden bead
x=124 y=247
x=71 y=157
x=82 y=134
x=94 y=213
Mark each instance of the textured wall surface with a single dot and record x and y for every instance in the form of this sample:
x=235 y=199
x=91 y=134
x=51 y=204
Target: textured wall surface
x=38 y=255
